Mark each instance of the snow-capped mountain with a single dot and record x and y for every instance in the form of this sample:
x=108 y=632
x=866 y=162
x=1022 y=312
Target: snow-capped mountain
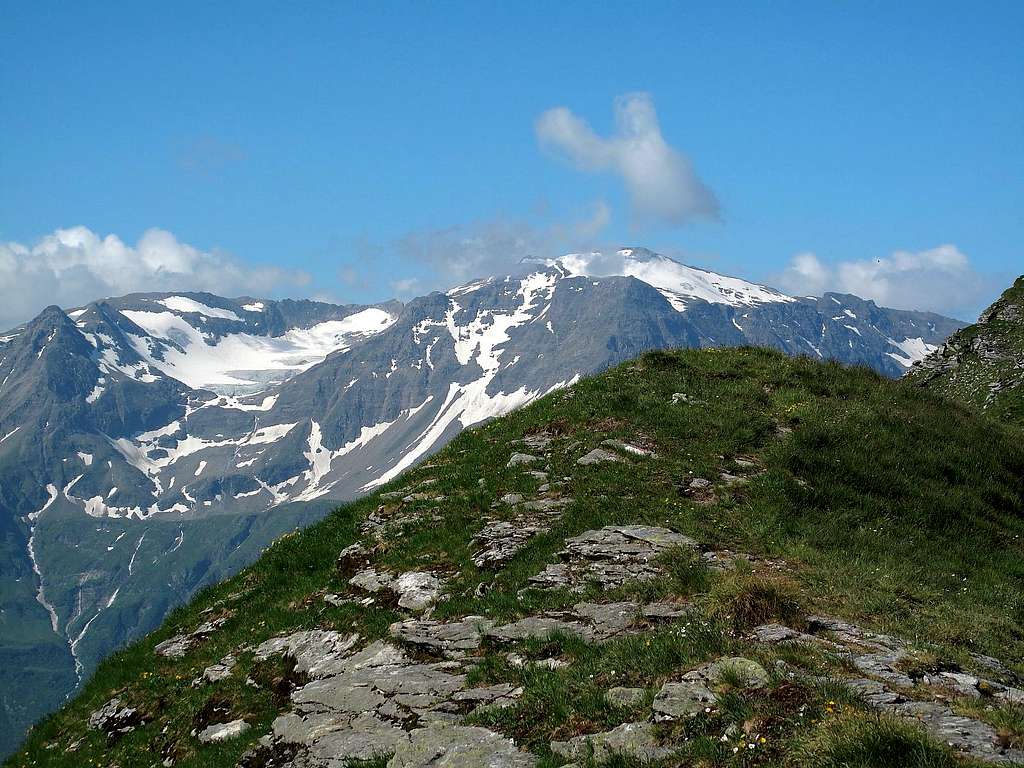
x=155 y=442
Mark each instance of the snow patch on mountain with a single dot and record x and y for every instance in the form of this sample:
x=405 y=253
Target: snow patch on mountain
x=185 y=304
x=678 y=283
x=911 y=350
x=243 y=362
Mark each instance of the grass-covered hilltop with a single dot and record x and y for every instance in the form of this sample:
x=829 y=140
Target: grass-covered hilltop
x=983 y=364
x=697 y=558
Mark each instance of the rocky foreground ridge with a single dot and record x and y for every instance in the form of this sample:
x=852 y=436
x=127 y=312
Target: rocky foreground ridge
x=983 y=364
x=154 y=443
x=572 y=586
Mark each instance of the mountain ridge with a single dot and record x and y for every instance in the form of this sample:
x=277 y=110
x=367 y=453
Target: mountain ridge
x=983 y=364
x=324 y=411
x=578 y=574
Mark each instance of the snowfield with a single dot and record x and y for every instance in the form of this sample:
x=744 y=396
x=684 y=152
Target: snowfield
x=242 y=363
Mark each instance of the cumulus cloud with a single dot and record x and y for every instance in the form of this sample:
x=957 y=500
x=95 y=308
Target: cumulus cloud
x=73 y=266
x=940 y=279
x=661 y=181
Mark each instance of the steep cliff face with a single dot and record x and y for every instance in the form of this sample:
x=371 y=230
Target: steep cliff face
x=983 y=364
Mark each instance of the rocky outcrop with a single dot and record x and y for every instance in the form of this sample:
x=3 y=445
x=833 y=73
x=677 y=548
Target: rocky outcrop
x=887 y=686
x=982 y=365
x=611 y=556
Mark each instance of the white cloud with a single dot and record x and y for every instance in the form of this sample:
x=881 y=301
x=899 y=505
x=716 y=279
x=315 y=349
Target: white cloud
x=71 y=267
x=455 y=255
x=940 y=279
x=661 y=182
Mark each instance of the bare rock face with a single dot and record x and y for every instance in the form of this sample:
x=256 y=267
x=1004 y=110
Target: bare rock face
x=315 y=651
x=220 y=671
x=625 y=697
x=676 y=701
x=179 y=645
x=223 y=731
x=611 y=556
x=115 y=719
x=415 y=590
x=451 y=639
x=887 y=687
x=459 y=746
x=359 y=704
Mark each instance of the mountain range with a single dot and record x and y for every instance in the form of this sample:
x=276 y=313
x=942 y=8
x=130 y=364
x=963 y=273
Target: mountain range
x=155 y=443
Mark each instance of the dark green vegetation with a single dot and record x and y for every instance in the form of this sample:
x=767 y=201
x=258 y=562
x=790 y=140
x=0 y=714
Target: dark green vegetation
x=982 y=365
x=890 y=506
x=169 y=560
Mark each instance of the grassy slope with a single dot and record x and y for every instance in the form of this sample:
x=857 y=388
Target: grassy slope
x=969 y=382
x=892 y=507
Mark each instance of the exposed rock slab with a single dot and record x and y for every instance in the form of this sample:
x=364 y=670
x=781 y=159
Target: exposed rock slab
x=220 y=671
x=598 y=456
x=223 y=731
x=316 y=651
x=415 y=590
x=680 y=700
x=611 y=556
x=631 y=740
x=620 y=696
x=459 y=746
x=115 y=718
x=179 y=645
x=519 y=459
x=451 y=639
x=888 y=688
x=362 y=704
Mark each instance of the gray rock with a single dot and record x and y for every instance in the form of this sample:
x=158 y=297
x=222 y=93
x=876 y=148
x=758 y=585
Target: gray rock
x=629 y=448
x=176 y=647
x=598 y=456
x=219 y=671
x=459 y=746
x=370 y=580
x=511 y=498
x=750 y=674
x=683 y=699
x=537 y=442
x=223 y=731
x=518 y=459
x=519 y=662
x=631 y=740
x=352 y=554
x=416 y=590
x=500 y=540
x=611 y=556
x=663 y=611
x=316 y=651
x=625 y=697
x=537 y=627
x=607 y=619
x=966 y=685
x=449 y=639
x=777 y=633
x=115 y=718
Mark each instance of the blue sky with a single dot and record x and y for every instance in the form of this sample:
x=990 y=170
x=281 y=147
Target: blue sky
x=342 y=150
